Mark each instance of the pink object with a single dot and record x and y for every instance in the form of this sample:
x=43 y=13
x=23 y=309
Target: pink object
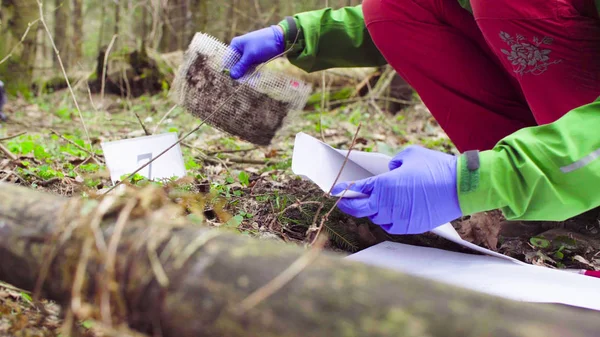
x=592 y=273
x=509 y=65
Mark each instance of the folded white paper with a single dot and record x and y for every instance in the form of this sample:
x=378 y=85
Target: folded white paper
x=495 y=274
x=486 y=274
x=321 y=163
x=127 y=155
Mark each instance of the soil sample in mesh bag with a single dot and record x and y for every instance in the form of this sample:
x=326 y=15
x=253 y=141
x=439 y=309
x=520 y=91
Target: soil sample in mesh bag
x=252 y=108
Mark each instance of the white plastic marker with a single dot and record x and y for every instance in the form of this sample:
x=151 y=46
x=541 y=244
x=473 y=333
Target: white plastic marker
x=127 y=155
x=321 y=163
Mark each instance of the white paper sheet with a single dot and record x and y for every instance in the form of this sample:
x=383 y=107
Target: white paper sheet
x=321 y=163
x=127 y=155
x=486 y=274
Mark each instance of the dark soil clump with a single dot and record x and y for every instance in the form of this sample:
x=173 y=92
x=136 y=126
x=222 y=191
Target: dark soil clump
x=249 y=114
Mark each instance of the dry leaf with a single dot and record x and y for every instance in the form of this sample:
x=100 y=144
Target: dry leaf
x=482 y=228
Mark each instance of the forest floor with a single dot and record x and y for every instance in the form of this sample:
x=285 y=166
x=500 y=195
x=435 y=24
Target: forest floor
x=260 y=195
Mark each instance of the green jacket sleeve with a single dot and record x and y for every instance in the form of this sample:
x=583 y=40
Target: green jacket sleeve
x=549 y=172
x=328 y=38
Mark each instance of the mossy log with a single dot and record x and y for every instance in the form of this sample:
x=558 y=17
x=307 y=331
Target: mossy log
x=174 y=278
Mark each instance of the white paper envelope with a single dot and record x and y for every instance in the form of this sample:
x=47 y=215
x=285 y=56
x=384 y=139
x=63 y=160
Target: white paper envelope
x=127 y=155
x=321 y=163
x=486 y=274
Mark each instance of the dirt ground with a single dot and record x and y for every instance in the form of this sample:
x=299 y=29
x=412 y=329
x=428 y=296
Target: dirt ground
x=47 y=148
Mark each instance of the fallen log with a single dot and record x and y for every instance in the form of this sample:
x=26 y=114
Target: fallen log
x=133 y=259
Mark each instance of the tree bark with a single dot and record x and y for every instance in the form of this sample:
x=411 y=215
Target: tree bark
x=61 y=25
x=207 y=273
x=102 y=25
x=117 y=18
x=16 y=71
x=168 y=41
x=77 y=29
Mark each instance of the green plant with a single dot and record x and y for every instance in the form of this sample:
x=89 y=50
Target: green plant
x=539 y=242
x=244 y=178
x=46 y=172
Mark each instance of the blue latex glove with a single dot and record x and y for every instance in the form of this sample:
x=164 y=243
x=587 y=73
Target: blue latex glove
x=418 y=193
x=256 y=47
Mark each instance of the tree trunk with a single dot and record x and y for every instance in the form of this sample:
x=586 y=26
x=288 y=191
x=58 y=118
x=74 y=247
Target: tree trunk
x=178 y=279
x=16 y=72
x=102 y=25
x=202 y=15
x=233 y=20
x=77 y=29
x=61 y=25
x=144 y=25
x=117 y=17
x=170 y=37
x=186 y=24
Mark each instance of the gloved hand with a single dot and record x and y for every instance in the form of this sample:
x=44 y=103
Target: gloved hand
x=418 y=193
x=256 y=47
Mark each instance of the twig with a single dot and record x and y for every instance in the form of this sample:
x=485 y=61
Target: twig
x=322 y=107
x=90 y=96
x=346 y=159
x=76 y=145
x=7 y=152
x=362 y=99
x=240 y=160
x=111 y=254
x=317 y=213
x=372 y=100
x=13 y=136
x=282 y=279
x=165 y=117
x=48 y=182
x=298 y=205
x=79 y=279
x=217 y=109
x=13 y=288
x=41 y=7
x=141 y=123
x=104 y=67
x=326 y=217
x=323 y=88
x=227 y=151
x=9 y=55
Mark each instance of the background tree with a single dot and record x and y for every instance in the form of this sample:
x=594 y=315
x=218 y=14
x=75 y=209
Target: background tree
x=16 y=16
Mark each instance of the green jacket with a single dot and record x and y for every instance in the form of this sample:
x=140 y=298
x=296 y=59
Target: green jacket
x=549 y=172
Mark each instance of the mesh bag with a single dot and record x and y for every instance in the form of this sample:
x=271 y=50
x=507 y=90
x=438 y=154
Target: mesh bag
x=253 y=107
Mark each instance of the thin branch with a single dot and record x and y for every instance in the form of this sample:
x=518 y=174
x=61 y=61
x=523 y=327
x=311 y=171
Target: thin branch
x=282 y=279
x=10 y=54
x=7 y=152
x=326 y=217
x=111 y=256
x=104 y=67
x=322 y=107
x=213 y=153
x=165 y=117
x=323 y=89
x=41 y=7
x=148 y=133
x=13 y=136
x=363 y=99
x=76 y=145
x=346 y=159
x=240 y=160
